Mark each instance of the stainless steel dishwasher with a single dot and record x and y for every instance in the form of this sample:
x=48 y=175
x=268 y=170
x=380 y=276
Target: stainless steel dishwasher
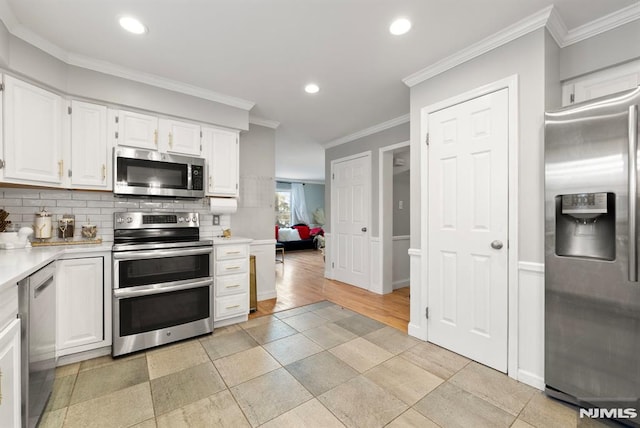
x=37 y=300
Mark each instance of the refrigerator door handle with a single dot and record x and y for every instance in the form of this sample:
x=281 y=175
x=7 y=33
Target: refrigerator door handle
x=633 y=194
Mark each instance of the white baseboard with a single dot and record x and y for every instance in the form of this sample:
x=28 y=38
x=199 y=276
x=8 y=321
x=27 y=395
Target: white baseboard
x=401 y=283
x=82 y=356
x=531 y=379
x=267 y=296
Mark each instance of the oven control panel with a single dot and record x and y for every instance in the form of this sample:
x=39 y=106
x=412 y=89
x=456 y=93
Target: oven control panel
x=139 y=220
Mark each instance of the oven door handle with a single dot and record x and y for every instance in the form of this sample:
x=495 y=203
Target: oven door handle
x=156 y=254
x=147 y=290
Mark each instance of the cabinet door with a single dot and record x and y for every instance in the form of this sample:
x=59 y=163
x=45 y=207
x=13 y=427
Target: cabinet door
x=80 y=303
x=137 y=130
x=10 y=375
x=602 y=83
x=180 y=137
x=89 y=148
x=222 y=161
x=33 y=151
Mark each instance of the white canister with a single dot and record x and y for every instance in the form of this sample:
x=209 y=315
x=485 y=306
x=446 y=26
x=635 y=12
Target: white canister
x=42 y=227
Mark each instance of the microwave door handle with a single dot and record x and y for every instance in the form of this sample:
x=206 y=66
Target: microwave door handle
x=189 y=177
x=633 y=192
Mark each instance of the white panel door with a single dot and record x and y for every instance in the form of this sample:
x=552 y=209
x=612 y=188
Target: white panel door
x=89 y=149
x=137 y=130
x=350 y=189
x=32 y=133
x=468 y=215
x=80 y=303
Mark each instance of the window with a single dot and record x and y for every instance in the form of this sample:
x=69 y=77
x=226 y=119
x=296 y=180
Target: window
x=283 y=208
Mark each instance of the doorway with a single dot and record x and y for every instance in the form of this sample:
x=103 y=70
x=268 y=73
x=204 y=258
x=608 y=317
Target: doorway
x=350 y=219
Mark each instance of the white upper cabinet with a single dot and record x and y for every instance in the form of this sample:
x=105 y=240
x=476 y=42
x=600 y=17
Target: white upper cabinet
x=221 y=151
x=601 y=83
x=179 y=137
x=33 y=149
x=90 y=152
x=137 y=130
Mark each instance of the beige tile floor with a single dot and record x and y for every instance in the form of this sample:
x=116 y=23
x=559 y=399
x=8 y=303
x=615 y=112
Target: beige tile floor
x=316 y=366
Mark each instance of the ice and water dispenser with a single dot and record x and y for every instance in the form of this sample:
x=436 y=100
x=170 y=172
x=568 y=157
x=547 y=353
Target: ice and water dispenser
x=585 y=225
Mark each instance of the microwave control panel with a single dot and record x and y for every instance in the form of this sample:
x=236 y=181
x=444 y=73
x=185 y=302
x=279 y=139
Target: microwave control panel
x=197 y=177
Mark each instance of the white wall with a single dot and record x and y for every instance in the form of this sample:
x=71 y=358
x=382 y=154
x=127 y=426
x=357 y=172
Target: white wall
x=388 y=137
x=615 y=46
x=401 y=192
x=401 y=273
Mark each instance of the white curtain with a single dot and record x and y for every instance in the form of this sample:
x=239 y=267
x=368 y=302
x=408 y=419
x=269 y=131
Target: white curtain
x=299 y=212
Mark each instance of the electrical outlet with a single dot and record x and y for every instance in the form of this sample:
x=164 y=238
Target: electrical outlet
x=216 y=220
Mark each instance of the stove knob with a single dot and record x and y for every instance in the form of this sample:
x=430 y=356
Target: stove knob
x=129 y=219
x=180 y=219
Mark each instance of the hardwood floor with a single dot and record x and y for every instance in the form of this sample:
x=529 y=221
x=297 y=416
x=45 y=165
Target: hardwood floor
x=300 y=281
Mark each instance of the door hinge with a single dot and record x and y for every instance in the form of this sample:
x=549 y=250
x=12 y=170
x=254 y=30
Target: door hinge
x=69 y=110
x=333 y=265
x=1 y=86
x=236 y=186
x=116 y=135
x=572 y=98
x=200 y=134
x=333 y=176
x=200 y=148
x=117 y=119
x=426 y=312
x=69 y=173
x=426 y=139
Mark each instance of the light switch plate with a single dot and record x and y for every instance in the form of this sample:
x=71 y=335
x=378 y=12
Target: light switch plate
x=216 y=220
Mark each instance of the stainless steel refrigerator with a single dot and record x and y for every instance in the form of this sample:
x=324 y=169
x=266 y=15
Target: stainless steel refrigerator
x=592 y=293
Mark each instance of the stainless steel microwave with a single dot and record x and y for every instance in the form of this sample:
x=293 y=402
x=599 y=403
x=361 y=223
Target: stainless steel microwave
x=148 y=173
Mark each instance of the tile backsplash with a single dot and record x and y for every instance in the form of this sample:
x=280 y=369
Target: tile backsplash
x=98 y=208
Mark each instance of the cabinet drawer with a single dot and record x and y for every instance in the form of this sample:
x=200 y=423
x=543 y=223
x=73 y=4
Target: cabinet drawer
x=230 y=267
x=232 y=284
x=9 y=305
x=230 y=306
x=225 y=252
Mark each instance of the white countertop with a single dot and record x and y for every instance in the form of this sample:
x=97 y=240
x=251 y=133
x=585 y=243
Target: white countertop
x=16 y=265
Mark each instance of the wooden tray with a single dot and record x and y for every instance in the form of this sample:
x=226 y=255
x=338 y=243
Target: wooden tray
x=61 y=242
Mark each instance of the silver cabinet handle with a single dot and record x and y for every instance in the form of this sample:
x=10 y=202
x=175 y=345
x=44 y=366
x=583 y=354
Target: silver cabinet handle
x=496 y=245
x=633 y=192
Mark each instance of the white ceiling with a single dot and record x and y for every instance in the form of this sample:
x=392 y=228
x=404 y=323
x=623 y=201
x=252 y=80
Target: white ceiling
x=265 y=51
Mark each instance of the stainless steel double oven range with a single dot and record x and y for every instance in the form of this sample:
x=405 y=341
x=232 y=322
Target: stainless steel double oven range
x=162 y=280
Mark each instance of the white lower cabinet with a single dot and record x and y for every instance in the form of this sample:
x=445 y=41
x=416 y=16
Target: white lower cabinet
x=231 y=273
x=83 y=305
x=10 y=375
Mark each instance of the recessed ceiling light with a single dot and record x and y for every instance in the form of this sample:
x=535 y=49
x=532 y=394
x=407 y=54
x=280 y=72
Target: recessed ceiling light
x=311 y=88
x=132 y=25
x=400 y=26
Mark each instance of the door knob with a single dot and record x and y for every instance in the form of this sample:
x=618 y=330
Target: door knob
x=496 y=245
x=364 y=229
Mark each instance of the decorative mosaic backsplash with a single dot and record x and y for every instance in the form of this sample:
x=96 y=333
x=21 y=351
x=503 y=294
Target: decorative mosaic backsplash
x=98 y=208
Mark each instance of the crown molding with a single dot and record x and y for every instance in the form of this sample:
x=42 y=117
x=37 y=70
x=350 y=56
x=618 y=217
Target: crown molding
x=603 y=24
x=23 y=33
x=556 y=27
x=273 y=124
x=368 y=131
x=157 y=81
x=519 y=29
